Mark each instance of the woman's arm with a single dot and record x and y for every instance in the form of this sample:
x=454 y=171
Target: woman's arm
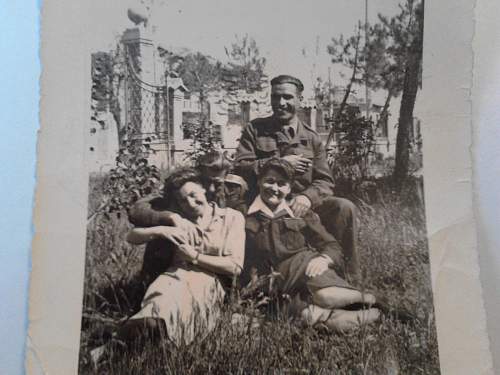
x=217 y=264
x=231 y=262
x=224 y=265
x=234 y=246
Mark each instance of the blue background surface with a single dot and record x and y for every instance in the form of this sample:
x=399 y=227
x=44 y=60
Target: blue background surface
x=19 y=93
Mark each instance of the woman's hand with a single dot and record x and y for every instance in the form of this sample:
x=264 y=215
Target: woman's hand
x=317 y=266
x=185 y=250
x=300 y=204
x=187 y=227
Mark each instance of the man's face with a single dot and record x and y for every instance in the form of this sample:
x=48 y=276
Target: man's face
x=273 y=188
x=213 y=180
x=285 y=101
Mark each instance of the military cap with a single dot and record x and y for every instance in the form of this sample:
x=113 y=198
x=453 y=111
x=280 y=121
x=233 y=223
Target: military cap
x=287 y=79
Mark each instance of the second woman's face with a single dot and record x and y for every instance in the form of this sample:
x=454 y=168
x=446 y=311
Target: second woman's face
x=192 y=200
x=273 y=188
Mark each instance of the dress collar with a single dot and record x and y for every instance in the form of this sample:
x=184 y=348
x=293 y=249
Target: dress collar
x=217 y=214
x=258 y=205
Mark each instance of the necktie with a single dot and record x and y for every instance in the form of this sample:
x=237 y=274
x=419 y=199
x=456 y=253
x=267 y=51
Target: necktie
x=290 y=132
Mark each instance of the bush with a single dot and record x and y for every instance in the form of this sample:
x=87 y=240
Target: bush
x=349 y=160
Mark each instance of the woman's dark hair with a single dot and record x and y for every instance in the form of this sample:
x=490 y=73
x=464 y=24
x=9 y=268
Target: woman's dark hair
x=281 y=166
x=214 y=160
x=176 y=180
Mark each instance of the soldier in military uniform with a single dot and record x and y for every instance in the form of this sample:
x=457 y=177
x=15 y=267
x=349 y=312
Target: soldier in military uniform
x=285 y=136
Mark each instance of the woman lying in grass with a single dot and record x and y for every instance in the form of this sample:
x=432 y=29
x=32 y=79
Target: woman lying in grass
x=184 y=302
x=225 y=189
x=307 y=259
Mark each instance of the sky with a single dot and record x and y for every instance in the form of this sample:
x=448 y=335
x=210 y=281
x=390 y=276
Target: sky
x=283 y=29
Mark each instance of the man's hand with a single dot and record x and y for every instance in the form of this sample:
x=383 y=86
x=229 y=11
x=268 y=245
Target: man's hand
x=187 y=252
x=317 y=266
x=173 y=234
x=187 y=227
x=300 y=205
x=299 y=163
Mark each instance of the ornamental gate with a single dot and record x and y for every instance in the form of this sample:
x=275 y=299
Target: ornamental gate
x=148 y=108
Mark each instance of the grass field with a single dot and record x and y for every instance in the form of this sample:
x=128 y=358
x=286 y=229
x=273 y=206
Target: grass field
x=395 y=262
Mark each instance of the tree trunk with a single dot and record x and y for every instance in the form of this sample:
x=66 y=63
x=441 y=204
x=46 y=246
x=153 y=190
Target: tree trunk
x=410 y=87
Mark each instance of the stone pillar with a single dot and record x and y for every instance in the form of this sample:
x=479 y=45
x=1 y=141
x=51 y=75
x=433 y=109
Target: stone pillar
x=145 y=103
x=144 y=55
x=177 y=135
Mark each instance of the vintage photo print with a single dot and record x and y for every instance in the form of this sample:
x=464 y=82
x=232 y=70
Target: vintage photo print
x=230 y=187
x=256 y=191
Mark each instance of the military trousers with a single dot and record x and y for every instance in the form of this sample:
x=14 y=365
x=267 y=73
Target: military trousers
x=339 y=216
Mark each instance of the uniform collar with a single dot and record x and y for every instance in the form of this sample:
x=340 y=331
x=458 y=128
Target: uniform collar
x=299 y=128
x=294 y=125
x=302 y=130
x=258 y=205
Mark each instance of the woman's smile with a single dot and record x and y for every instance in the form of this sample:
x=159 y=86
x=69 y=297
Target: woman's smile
x=192 y=200
x=273 y=188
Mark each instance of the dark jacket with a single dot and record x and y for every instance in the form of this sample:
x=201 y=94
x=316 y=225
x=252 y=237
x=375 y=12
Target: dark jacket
x=263 y=138
x=286 y=245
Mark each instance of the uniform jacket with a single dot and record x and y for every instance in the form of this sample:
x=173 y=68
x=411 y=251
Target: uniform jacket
x=263 y=138
x=286 y=244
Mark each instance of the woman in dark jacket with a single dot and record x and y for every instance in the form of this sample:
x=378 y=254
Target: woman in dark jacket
x=307 y=259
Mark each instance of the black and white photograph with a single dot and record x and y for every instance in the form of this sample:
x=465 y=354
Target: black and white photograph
x=256 y=190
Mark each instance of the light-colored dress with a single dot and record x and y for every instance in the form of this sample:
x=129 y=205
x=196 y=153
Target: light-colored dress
x=187 y=297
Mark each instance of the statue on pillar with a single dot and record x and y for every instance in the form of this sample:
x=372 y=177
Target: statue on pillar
x=141 y=12
x=137 y=16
